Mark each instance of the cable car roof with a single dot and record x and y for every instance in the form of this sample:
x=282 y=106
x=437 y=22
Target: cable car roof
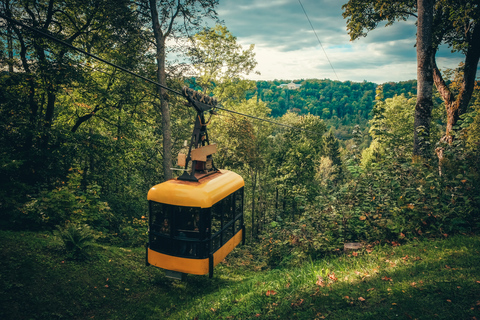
x=204 y=193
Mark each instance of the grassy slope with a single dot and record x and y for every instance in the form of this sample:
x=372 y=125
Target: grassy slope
x=421 y=280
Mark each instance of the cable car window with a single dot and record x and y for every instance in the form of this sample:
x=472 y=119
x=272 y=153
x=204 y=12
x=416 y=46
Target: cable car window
x=217 y=217
x=228 y=208
x=186 y=224
x=159 y=218
x=239 y=201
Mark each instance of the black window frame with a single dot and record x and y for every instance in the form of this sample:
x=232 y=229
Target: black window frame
x=186 y=245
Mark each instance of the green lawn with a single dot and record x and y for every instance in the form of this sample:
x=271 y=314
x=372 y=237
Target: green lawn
x=420 y=280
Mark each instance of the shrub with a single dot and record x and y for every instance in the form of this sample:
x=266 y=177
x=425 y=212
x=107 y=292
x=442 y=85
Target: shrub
x=77 y=240
x=69 y=201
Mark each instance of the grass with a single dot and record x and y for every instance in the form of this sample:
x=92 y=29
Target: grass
x=420 y=280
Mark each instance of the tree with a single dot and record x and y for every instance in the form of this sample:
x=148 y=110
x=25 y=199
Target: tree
x=455 y=23
x=293 y=157
x=175 y=19
x=423 y=108
x=220 y=63
x=391 y=128
x=461 y=30
x=45 y=68
x=332 y=150
x=62 y=113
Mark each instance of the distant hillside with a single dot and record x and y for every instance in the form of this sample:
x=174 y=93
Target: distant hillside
x=338 y=103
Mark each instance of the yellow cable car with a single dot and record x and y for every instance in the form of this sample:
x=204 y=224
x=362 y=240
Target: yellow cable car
x=195 y=220
x=194 y=225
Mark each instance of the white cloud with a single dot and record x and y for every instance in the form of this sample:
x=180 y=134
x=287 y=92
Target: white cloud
x=286 y=46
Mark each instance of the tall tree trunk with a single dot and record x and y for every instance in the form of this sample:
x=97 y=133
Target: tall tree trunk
x=160 y=38
x=423 y=108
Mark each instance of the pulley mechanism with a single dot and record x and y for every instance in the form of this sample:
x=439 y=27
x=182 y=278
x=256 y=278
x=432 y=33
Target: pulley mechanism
x=199 y=150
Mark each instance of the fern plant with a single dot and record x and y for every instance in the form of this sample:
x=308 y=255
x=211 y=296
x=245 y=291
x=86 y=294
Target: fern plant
x=77 y=240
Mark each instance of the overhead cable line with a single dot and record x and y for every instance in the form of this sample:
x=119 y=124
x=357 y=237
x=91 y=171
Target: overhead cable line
x=51 y=37
x=311 y=25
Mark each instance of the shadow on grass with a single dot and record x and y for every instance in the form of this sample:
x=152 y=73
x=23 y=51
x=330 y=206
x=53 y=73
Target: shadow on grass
x=413 y=282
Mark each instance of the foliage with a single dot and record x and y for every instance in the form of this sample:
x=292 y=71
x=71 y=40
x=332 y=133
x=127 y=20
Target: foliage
x=77 y=240
x=332 y=150
x=92 y=161
x=421 y=279
x=69 y=202
x=218 y=59
x=346 y=102
x=449 y=22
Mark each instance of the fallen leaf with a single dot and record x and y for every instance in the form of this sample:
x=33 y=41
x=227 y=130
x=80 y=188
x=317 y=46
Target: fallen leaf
x=387 y=278
x=448 y=300
x=270 y=293
x=320 y=282
x=370 y=289
x=332 y=276
x=361 y=299
x=354 y=254
x=369 y=250
x=106 y=286
x=347 y=297
x=298 y=303
x=413 y=284
x=362 y=218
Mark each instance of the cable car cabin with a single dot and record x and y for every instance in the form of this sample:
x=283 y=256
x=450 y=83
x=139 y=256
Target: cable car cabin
x=195 y=225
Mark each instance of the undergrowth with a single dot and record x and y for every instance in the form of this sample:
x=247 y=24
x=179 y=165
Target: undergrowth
x=422 y=279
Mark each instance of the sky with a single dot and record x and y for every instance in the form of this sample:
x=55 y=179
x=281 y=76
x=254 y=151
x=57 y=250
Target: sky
x=287 y=48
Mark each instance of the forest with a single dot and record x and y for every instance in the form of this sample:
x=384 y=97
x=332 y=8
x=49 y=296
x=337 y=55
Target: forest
x=82 y=141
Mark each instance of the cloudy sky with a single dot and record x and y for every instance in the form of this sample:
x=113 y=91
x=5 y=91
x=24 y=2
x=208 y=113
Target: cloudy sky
x=286 y=46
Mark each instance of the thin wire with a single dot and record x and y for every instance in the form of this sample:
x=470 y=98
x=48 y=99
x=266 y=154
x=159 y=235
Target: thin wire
x=311 y=25
x=134 y=74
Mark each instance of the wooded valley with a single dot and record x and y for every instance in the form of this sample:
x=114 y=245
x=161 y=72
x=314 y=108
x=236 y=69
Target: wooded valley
x=82 y=141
